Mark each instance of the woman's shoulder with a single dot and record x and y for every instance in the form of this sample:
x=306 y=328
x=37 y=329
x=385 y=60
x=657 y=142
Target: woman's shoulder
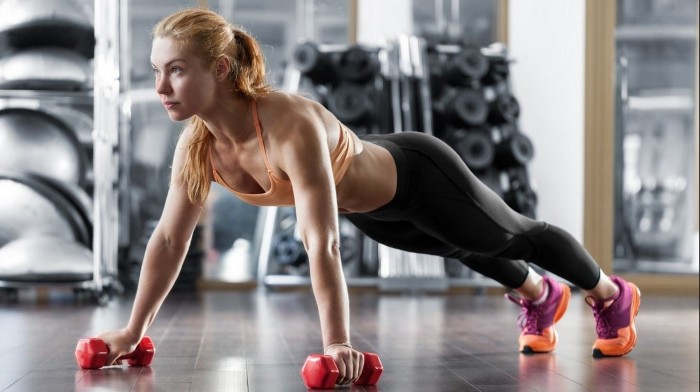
x=289 y=108
x=290 y=102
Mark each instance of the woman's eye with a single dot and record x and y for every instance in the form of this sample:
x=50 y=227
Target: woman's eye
x=175 y=70
x=155 y=72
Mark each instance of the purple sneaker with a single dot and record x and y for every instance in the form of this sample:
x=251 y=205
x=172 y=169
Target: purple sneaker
x=537 y=321
x=615 y=323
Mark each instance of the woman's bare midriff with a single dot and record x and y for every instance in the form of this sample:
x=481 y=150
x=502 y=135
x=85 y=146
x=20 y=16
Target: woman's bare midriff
x=370 y=181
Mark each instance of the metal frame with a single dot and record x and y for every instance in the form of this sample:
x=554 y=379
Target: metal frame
x=107 y=119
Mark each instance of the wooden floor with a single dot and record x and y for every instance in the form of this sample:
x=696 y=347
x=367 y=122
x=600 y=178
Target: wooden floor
x=258 y=340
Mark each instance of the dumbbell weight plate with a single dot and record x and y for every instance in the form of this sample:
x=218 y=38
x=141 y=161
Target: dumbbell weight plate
x=497 y=70
x=469 y=107
x=316 y=64
x=474 y=147
x=286 y=250
x=349 y=102
x=306 y=57
x=465 y=66
x=357 y=64
x=522 y=200
x=516 y=150
x=505 y=109
x=319 y=372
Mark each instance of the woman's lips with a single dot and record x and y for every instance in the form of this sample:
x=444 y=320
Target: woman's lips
x=169 y=105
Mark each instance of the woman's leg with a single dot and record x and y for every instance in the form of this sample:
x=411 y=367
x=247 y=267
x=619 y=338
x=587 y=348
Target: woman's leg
x=447 y=202
x=406 y=236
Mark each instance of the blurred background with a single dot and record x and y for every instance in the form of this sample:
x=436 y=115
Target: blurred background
x=583 y=114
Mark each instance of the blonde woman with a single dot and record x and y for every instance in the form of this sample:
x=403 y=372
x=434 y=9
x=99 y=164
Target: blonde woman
x=406 y=190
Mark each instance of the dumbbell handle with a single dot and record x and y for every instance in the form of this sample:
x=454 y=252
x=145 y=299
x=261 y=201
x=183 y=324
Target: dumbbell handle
x=321 y=372
x=91 y=353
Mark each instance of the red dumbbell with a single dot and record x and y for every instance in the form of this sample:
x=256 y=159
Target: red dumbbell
x=320 y=371
x=92 y=353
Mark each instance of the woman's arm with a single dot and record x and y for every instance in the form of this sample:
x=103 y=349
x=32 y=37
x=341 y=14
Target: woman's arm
x=162 y=261
x=305 y=157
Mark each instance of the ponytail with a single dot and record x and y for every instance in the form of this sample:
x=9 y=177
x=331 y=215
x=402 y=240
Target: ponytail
x=248 y=76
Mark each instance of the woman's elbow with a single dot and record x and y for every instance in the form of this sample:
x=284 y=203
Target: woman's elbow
x=322 y=248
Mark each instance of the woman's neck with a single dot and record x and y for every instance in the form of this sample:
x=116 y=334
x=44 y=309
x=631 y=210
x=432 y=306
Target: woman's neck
x=230 y=119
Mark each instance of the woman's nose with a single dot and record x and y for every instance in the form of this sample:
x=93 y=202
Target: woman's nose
x=162 y=86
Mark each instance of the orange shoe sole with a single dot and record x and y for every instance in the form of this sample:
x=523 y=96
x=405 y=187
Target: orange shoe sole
x=529 y=347
x=625 y=349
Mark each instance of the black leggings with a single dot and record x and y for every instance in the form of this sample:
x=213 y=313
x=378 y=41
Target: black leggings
x=441 y=208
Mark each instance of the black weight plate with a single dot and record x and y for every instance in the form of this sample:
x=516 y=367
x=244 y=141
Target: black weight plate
x=286 y=250
x=470 y=107
x=349 y=102
x=306 y=57
x=505 y=109
x=466 y=66
x=357 y=64
x=516 y=150
x=475 y=147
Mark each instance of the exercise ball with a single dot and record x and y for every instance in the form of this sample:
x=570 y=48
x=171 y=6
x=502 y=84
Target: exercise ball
x=45 y=68
x=35 y=142
x=45 y=259
x=25 y=212
x=32 y=23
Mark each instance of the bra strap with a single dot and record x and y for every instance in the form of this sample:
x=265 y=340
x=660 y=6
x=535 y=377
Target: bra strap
x=258 y=130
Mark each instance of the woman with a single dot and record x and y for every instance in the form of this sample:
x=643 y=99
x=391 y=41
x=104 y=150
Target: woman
x=406 y=190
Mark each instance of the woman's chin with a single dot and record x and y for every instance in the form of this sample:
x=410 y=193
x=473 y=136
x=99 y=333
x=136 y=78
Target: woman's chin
x=175 y=116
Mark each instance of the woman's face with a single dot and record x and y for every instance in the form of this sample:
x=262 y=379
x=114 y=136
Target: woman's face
x=183 y=83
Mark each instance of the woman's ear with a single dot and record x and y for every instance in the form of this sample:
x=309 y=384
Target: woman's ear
x=223 y=68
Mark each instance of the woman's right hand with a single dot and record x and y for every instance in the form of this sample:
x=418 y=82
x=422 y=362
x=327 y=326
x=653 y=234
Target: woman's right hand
x=119 y=342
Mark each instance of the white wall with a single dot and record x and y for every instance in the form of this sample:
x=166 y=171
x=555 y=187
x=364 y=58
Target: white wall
x=546 y=39
x=381 y=20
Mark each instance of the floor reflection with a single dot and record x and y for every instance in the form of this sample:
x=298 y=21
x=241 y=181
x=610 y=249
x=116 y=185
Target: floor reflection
x=113 y=378
x=618 y=374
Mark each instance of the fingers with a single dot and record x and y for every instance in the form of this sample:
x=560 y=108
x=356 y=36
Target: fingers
x=345 y=375
x=112 y=358
x=360 y=366
x=350 y=364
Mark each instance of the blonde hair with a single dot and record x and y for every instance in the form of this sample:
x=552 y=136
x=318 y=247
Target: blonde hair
x=210 y=36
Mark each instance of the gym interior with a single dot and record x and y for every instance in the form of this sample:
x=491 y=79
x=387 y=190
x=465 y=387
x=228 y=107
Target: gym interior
x=582 y=113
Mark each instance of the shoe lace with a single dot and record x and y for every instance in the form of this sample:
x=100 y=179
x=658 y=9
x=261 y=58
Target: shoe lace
x=603 y=325
x=529 y=315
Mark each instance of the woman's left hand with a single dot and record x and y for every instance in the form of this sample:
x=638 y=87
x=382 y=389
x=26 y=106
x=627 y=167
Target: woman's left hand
x=350 y=363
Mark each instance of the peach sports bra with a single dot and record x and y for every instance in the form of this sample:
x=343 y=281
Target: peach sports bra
x=280 y=192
